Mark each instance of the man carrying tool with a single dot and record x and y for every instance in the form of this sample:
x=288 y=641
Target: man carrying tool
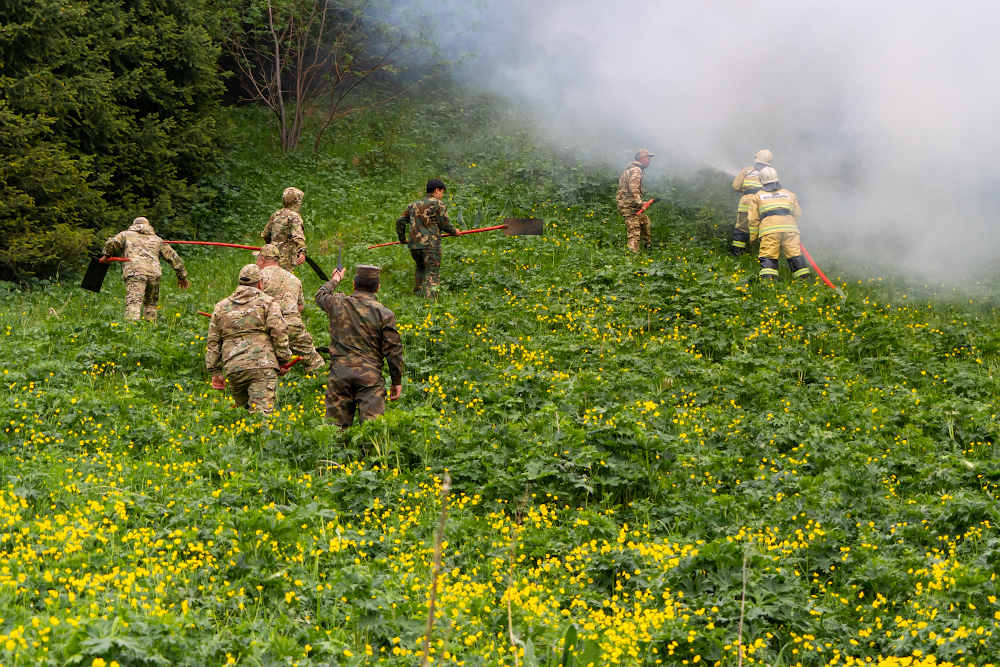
x=773 y=216
x=362 y=334
x=284 y=230
x=286 y=289
x=630 y=203
x=140 y=244
x=748 y=183
x=426 y=219
x=247 y=340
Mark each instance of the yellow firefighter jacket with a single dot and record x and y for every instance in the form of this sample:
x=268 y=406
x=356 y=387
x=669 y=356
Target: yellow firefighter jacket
x=747 y=182
x=773 y=212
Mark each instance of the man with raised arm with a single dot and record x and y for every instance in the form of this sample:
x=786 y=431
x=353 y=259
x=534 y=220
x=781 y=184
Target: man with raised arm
x=362 y=334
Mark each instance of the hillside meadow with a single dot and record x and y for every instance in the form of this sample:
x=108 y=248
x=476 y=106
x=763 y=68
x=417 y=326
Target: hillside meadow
x=642 y=450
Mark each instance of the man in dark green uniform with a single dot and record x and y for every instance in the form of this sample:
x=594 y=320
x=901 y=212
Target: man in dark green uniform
x=362 y=334
x=426 y=219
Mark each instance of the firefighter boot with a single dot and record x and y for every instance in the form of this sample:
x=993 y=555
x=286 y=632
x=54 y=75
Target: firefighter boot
x=741 y=239
x=799 y=267
x=768 y=268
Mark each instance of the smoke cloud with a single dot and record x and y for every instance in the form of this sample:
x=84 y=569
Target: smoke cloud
x=884 y=118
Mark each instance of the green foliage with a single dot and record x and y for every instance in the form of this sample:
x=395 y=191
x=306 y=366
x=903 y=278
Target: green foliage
x=109 y=112
x=624 y=434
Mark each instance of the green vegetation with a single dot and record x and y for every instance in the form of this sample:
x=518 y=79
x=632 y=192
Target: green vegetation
x=632 y=441
x=108 y=110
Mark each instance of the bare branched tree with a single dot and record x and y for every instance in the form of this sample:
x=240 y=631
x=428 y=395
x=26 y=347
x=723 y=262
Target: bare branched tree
x=310 y=59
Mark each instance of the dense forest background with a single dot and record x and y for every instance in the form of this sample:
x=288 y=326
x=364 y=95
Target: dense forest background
x=110 y=109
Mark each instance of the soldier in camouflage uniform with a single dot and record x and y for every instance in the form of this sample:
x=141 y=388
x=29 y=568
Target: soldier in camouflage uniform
x=247 y=341
x=630 y=201
x=142 y=275
x=286 y=289
x=284 y=230
x=362 y=334
x=426 y=219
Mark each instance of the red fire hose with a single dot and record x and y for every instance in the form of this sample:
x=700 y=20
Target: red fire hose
x=820 y=273
x=223 y=245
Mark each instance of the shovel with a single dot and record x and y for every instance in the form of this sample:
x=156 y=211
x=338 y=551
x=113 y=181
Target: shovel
x=511 y=227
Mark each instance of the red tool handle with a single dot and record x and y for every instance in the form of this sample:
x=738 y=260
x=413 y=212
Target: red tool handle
x=291 y=363
x=114 y=259
x=221 y=245
x=202 y=312
x=821 y=274
x=468 y=231
x=645 y=206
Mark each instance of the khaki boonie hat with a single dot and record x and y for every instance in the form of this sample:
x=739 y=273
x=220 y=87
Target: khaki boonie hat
x=291 y=196
x=642 y=152
x=270 y=251
x=367 y=271
x=250 y=275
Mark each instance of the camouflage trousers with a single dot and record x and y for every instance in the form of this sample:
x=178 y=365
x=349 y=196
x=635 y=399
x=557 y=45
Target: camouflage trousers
x=301 y=344
x=141 y=295
x=353 y=388
x=254 y=389
x=428 y=272
x=636 y=229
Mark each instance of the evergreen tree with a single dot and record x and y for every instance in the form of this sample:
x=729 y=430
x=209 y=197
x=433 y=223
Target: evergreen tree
x=108 y=110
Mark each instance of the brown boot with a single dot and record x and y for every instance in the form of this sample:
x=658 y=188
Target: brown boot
x=420 y=286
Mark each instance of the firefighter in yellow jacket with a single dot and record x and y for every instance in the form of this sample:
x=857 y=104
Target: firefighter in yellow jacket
x=773 y=216
x=747 y=183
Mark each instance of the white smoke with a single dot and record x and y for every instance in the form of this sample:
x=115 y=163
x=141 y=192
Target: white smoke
x=884 y=118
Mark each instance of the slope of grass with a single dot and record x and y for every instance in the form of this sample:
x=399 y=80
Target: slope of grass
x=632 y=440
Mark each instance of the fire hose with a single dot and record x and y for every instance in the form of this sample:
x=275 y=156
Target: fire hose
x=821 y=274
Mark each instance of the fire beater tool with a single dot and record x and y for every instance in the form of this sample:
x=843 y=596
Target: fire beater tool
x=648 y=204
x=511 y=227
x=93 y=279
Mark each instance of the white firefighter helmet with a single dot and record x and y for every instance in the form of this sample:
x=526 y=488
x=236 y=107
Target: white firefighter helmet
x=768 y=175
x=764 y=157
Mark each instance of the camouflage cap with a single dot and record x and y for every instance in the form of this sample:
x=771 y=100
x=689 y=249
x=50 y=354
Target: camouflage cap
x=270 y=251
x=250 y=275
x=292 y=196
x=367 y=271
x=642 y=152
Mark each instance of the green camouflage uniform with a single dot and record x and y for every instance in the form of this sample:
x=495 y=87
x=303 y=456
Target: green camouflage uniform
x=286 y=289
x=426 y=220
x=629 y=201
x=284 y=230
x=247 y=340
x=142 y=275
x=362 y=334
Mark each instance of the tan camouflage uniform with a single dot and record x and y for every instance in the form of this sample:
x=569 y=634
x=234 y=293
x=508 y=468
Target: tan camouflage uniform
x=629 y=202
x=287 y=290
x=426 y=220
x=142 y=275
x=284 y=229
x=247 y=340
x=362 y=334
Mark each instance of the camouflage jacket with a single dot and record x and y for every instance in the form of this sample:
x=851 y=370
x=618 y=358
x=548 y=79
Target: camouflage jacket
x=426 y=219
x=630 y=190
x=141 y=244
x=284 y=230
x=246 y=332
x=286 y=289
x=362 y=331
